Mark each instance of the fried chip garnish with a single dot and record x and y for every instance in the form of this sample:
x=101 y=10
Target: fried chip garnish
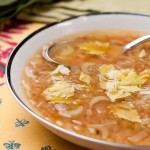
x=145 y=73
x=94 y=47
x=130 y=88
x=113 y=95
x=121 y=83
x=85 y=78
x=60 y=89
x=61 y=69
x=125 y=110
x=104 y=69
x=142 y=53
x=133 y=79
x=60 y=100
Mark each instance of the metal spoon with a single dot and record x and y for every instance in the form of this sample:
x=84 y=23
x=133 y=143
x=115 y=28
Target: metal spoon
x=48 y=50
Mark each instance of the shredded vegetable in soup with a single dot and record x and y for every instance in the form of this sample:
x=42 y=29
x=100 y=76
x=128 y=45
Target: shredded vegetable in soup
x=98 y=91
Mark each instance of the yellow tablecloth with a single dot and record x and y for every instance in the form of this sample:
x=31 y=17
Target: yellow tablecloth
x=19 y=130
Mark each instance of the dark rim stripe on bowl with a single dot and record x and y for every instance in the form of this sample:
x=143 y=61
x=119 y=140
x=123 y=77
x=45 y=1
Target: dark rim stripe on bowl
x=10 y=86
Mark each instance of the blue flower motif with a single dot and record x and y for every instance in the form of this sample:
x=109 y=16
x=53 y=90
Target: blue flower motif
x=48 y=147
x=21 y=123
x=11 y=145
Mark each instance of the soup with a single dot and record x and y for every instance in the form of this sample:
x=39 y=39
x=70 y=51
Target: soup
x=100 y=91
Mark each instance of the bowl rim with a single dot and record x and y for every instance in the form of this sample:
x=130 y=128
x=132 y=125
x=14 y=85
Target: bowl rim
x=37 y=116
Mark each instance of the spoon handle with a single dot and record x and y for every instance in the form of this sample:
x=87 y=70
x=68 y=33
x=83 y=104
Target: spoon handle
x=137 y=42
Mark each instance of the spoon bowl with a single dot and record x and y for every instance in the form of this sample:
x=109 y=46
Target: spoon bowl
x=49 y=50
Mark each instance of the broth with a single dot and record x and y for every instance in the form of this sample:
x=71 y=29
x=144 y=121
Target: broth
x=104 y=94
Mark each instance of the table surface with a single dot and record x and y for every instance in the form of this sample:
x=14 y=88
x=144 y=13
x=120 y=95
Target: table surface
x=17 y=127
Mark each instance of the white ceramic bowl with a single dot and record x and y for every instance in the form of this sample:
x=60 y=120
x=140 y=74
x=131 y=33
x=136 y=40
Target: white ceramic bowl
x=36 y=40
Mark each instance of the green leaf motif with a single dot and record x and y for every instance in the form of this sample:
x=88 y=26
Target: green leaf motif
x=21 y=123
x=2 y=67
x=9 y=8
x=0 y=100
x=11 y=145
x=48 y=147
x=7 y=2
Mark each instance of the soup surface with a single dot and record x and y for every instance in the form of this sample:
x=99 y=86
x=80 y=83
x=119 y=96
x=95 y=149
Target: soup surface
x=100 y=91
